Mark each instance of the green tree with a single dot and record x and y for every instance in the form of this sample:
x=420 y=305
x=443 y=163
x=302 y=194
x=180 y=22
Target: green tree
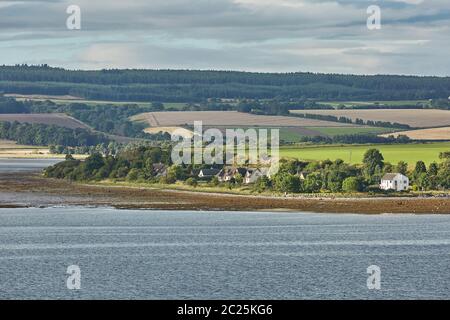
x=133 y=175
x=373 y=162
x=313 y=183
x=402 y=167
x=262 y=184
x=351 y=184
x=287 y=183
x=419 y=170
x=238 y=179
x=433 y=169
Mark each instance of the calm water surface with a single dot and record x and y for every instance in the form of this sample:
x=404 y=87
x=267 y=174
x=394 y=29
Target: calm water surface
x=25 y=165
x=221 y=255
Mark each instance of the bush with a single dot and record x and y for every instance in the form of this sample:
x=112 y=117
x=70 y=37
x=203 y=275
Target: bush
x=191 y=182
x=351 y=184
x=133 y=175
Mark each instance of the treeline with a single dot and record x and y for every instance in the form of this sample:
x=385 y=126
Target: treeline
x=110 y=119
x=432 y=104
x=43 y=135
x=356 y=139
x=131 y=162
x=112 y=148
x=371 y=123
x=194 y=86
x=153 y=165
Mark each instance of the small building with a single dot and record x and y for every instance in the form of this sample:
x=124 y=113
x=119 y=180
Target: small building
x=159 y=170
x=208 y=173
x=253 y=175
x=227 y=174
x=394 y=181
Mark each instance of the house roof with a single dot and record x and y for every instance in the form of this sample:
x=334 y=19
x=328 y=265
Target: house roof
x=210 y=172
x=158 y=167
x=390 y=176
x=241 y=171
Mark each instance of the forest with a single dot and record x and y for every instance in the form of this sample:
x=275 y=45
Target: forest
x=195 y=86
x=105 y=118
x=44 y=135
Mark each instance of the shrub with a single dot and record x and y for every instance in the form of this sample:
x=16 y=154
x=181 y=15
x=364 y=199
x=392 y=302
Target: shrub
x=191 y=182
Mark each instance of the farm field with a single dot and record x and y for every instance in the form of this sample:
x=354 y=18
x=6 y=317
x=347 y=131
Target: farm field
x=393 y=103
x=411 y=153
x=333 y=131
x=294 y=134
x=58 y=119
x=71 y=99
x=229 y=118
x=426 y=134
x=416 y=118
x=9 y=149
x=184 y=132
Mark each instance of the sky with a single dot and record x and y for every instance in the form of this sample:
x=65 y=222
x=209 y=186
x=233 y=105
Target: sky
x=329 y=36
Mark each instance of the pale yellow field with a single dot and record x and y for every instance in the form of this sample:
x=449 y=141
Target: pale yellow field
x=181 y=131
x=41 y=97
x=228 y=118
x=58 y=119
x=9 y=149
x=425 y=134
x=417 y=118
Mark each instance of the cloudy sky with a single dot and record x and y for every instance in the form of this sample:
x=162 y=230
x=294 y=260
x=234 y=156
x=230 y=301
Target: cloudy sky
x=250 y=35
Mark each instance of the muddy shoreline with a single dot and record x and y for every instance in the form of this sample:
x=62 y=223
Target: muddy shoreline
x=32 y=190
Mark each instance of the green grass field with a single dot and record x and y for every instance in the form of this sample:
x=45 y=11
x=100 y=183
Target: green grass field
x=290 y=134
x=335 y=131
x=411 y=153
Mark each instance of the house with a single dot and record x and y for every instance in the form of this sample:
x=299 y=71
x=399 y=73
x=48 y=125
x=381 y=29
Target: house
x=159 y=170
x=208 y=173
x=253 y=175
x=394 y=181
x=227 y=174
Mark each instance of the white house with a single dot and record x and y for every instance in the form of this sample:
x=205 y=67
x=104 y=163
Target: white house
x=253 y=175
x=227 y=174
x=394 y=181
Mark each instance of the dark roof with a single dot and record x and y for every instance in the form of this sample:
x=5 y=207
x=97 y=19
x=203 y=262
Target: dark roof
x=210 y=172
x=241 y=171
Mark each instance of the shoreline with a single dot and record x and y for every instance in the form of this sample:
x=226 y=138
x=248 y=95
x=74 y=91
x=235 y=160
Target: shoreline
x=23 y=190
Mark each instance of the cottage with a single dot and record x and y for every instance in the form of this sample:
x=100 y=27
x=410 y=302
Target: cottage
x=159 y=170
x=253 y=175
x=394 y=181
x=227 y=174
x=208 y=173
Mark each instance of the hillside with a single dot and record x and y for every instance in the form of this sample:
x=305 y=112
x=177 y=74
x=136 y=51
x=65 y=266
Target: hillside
x=192 y=86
